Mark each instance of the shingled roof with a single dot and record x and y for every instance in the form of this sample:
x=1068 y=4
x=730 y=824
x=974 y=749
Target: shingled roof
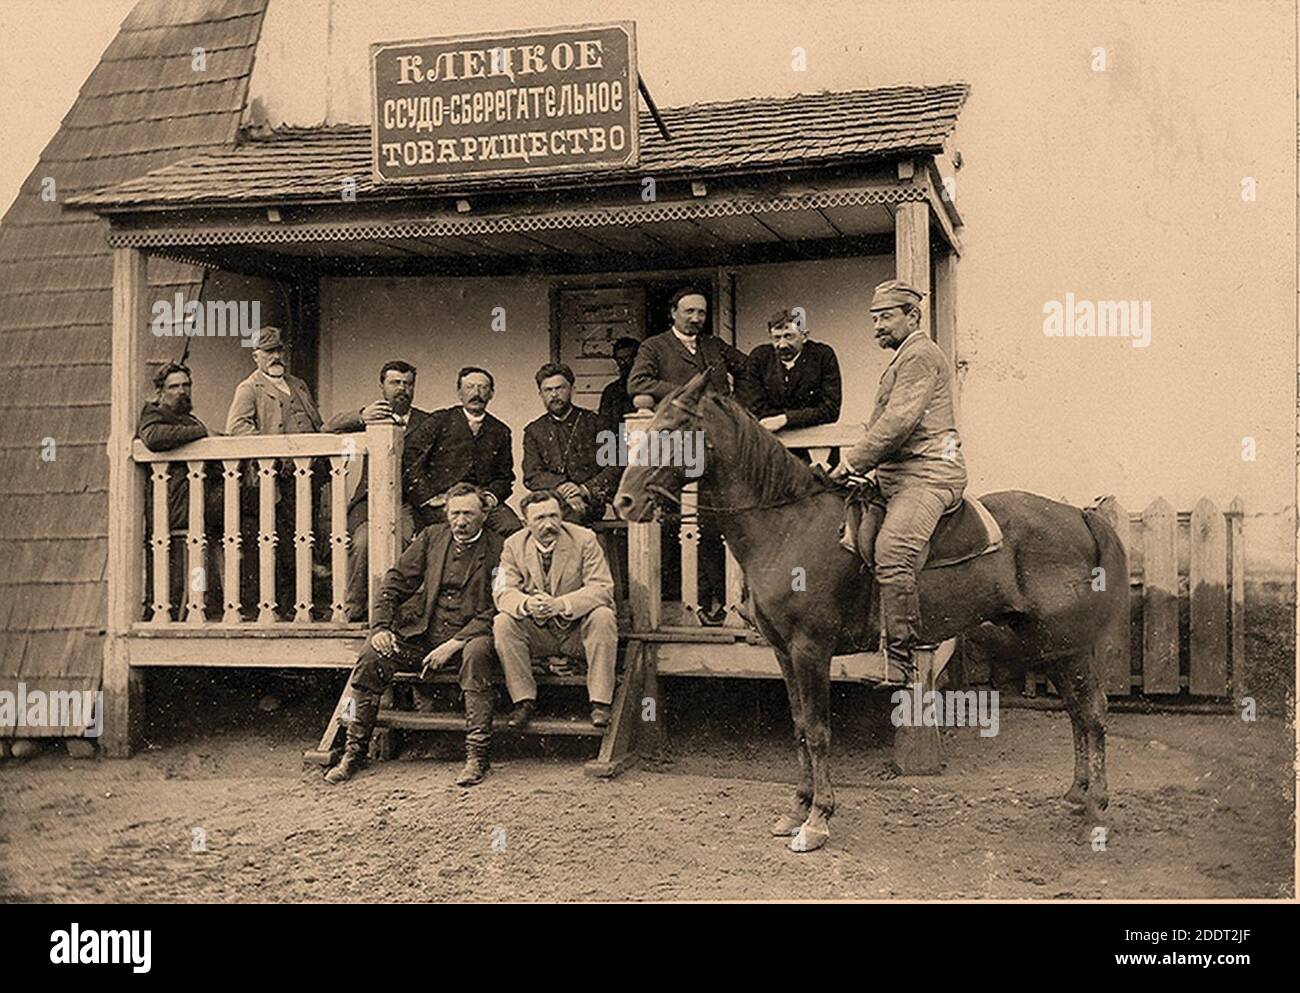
x=807 y=129
x=144 y=106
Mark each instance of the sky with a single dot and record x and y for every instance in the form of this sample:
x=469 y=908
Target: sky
x=47 y=49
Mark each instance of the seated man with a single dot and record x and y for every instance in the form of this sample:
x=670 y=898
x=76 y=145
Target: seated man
x=555 y=597
x=395 y=405
x=464 y=444
x=452 y=566
x=168 y=422
x=791 y=382
x=560 y=449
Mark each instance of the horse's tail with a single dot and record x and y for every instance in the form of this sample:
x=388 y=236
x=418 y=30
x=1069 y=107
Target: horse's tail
x=1111 y=559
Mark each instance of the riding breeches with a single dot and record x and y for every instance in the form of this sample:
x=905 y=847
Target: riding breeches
x=910 y=517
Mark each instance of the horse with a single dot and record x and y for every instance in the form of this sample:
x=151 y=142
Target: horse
x=782 y=519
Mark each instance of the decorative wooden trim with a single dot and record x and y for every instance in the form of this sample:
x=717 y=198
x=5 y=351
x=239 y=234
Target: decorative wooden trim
x=588 y=217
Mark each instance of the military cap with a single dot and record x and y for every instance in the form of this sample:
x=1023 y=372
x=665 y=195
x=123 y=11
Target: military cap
x=895 y=293
x=268 y=338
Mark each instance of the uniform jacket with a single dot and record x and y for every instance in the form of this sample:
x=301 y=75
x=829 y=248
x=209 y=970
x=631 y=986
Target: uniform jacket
x=259 y=408
x=579 y=575
x=350 y=421
x=448 y=452
x=808 y=394
x=912 y=427
x=556 y=453
x=615 y=403
x=663 y=363
x=420 y=569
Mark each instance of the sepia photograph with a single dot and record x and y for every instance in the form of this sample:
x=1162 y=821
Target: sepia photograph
x=592 y=453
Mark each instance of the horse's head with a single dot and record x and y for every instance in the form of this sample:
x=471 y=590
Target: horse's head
x=666 y=454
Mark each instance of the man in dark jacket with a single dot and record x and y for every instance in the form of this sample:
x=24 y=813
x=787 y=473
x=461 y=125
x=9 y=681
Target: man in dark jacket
x=560 y=449
x=395 y=405
x=463 y=444
x=168 y=422
x=791 y=382
x=669 y=360
x=451 y=565
x=615 y=400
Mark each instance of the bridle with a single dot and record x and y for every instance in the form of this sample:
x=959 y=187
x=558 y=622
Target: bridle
x=663 y=494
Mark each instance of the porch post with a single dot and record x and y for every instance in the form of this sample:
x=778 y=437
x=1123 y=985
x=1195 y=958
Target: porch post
x=124 y=686
x=912 y=252
x=945 y=315
x=384 y=502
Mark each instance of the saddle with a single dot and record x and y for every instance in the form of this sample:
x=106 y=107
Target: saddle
x=964 y=532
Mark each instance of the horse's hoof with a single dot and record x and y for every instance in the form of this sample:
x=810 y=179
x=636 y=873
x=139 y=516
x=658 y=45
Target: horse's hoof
x=1076 y=795
x=787 y=825
x=806 y=840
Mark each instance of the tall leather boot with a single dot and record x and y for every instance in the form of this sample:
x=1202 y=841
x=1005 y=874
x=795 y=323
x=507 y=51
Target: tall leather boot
x=478 y=737
x=358 y=740
x=901 y=610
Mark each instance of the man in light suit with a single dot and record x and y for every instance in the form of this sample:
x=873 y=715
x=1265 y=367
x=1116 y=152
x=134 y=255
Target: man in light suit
x=555 y=597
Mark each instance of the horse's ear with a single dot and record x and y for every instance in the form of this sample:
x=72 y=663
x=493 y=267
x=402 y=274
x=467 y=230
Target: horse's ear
x=695 y=387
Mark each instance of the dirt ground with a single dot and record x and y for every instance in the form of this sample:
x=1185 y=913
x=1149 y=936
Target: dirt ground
x=1202 y=807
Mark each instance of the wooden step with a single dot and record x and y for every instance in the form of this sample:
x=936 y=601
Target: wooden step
x=448 y=678
x=409 y=720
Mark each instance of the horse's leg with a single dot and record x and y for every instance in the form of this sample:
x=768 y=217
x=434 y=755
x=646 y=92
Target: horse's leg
x=1094 y=721
x=812 y=673
x=1074 y=707
x=787 y=824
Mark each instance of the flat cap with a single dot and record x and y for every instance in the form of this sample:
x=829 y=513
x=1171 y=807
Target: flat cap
x=895 y=293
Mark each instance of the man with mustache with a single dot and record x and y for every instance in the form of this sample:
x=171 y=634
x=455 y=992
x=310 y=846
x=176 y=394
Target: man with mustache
x=463 y=444
x=271 y=401
x=394 y=406
x=449 y=569
x=663 y=363
x=791 y=382
x=913 y=446
x=560 y=449
x=168 y=422
x=556 y=598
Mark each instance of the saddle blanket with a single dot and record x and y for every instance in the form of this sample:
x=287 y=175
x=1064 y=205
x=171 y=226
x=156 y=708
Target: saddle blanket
x=963 y=533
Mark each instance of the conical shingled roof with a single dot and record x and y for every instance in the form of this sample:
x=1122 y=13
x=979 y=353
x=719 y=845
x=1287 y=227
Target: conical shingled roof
x=144 y=106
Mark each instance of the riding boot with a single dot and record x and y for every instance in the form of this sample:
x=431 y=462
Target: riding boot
x=901 y=611
x=360 y=729
x=478 y=736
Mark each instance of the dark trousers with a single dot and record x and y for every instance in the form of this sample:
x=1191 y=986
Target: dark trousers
x=373 y=673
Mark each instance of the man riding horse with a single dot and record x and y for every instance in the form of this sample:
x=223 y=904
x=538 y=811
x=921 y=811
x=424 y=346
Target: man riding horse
x=913 y=445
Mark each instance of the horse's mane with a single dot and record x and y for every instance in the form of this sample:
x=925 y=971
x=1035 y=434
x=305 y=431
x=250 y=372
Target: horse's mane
x=782 y=476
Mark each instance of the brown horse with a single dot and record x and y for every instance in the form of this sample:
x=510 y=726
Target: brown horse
x=782 y=521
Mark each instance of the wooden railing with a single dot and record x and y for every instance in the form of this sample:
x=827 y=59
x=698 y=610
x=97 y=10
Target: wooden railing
x=645 y=548
x=240 y=460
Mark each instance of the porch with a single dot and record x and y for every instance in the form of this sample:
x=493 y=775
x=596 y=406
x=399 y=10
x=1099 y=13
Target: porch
x=889 y=212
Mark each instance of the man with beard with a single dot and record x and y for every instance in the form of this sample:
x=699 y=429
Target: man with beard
x=556 y=598
x=271 y=401
x=449 y=569
x=791 y=382
x=394 y=406
x=913 y=446
x=615 y=400
x=669 y=360
x=463 y=444
x=167 y=422
x=560 y=449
